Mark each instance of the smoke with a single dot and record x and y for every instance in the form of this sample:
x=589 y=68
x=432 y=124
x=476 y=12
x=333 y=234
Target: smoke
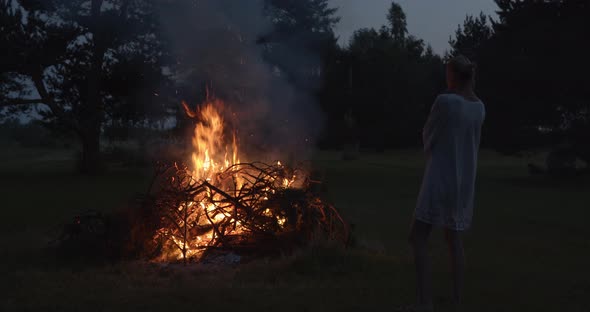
x=215 y=43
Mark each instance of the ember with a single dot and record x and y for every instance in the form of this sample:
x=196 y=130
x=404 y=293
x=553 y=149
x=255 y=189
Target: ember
x=220 y=204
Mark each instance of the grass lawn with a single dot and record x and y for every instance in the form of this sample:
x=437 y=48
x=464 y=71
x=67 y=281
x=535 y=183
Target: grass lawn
x=529 y=249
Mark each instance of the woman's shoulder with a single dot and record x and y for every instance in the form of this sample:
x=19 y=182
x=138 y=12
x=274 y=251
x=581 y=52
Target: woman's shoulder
x=445 y=95
x=442 y=97
x=454 y=103
x=454 y=97
x=446 y=99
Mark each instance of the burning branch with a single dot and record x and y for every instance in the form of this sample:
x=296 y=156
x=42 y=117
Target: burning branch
x=264 y=213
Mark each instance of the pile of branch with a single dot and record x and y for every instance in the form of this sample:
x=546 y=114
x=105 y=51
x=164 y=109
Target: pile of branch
x=247 y=209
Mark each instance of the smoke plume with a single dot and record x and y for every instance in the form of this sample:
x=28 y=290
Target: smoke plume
x=215 y=44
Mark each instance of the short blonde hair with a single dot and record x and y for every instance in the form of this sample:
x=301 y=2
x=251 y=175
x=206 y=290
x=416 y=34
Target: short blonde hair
x=462 y=67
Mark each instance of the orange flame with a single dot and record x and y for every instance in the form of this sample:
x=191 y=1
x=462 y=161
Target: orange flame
x=215 y=149
x=211 y=153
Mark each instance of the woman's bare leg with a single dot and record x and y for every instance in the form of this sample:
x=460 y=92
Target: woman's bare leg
x=419 y=241
x=456 y=252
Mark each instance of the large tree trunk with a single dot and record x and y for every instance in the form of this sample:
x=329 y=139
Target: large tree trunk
x=90 y=158
x=90 y=161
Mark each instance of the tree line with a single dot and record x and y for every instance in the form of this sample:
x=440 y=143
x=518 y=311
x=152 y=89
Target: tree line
x=98 y=64
x=533 y=75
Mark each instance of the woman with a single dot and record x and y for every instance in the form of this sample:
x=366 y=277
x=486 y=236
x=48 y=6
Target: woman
x=451 y=142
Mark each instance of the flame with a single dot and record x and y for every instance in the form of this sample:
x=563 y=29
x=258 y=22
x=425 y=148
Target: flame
x=215 y=150
x=211 y=154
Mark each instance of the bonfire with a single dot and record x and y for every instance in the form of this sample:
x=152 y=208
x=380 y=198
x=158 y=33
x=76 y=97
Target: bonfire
x=219 y=202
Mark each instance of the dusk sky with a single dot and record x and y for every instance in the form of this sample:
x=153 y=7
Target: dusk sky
x=431 y=20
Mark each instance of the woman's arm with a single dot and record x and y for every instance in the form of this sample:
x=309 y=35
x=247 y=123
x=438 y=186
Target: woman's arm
x=435 y=124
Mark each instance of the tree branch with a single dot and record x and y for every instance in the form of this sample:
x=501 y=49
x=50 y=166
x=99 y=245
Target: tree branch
x=48 y=100
x=96 y=5
x=14 y=102
x=124 y=8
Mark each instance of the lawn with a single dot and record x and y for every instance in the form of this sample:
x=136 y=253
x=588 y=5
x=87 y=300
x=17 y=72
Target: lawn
x=529 y=248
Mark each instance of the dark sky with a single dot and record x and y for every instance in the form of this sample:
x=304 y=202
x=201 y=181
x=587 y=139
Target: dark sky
x=431 y=20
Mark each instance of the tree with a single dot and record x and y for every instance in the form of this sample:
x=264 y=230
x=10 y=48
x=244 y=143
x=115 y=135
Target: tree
x=471 y=37
x=385 y=81
x=291 y=17
x=302 y=34
x=85 y=61
x=532 y=70
x=397 y=22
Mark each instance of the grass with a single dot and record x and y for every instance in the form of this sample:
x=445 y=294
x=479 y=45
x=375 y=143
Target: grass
x=528 y=249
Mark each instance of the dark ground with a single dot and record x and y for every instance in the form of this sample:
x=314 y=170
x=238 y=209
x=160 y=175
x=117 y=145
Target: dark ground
x=528 y=251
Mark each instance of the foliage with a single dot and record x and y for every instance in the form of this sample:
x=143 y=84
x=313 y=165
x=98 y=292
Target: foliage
x=397 y=22
x=532 y=69
x=302 y=34
x=99 y=64
x=470 y=37
x=85 y=61
x=384 y=81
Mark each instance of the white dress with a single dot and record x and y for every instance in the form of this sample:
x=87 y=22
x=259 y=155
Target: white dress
x=451 y=142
